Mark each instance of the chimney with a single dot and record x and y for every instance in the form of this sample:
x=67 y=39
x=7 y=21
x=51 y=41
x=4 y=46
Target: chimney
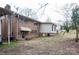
x=8 y=7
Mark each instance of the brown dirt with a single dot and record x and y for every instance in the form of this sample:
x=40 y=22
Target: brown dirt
x=56 y=45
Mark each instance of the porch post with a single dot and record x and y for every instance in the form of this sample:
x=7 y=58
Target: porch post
x=8 y=30
x=17 y=25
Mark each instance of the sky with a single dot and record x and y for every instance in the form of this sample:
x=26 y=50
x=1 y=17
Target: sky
x=50 y=10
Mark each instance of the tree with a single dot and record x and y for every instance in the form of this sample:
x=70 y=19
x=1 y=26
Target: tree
x=29 y=12
x=71 y=16
x=75 y=20
x=72 y=19
x=66 y=26
x=66 y=12
x=26 y=12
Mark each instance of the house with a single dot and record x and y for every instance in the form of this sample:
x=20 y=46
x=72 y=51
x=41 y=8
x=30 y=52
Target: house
x=18 y=26
x=47 y=28
x=14 y=25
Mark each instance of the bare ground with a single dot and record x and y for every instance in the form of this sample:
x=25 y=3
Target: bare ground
x=56 y=45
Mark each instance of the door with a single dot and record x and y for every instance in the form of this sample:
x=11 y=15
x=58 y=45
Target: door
x=24 y=33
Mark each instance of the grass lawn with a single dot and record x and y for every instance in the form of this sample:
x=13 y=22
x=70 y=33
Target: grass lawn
x=6 y=45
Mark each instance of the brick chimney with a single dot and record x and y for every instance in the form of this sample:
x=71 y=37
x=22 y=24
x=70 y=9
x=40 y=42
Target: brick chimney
x=8 y=7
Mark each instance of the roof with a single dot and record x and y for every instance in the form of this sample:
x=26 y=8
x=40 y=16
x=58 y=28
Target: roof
x=25 y=29
x=4 y=11
x=48 y=23
x=27 y=18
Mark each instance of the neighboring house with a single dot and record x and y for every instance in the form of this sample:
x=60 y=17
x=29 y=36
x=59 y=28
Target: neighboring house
x=58 y=28
x=47 y=28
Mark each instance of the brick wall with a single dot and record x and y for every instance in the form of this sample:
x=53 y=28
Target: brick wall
x=34 y=27
x=5 y=28
x=14 y=26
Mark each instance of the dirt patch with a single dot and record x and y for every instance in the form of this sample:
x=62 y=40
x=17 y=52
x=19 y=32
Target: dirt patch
x=56 y=45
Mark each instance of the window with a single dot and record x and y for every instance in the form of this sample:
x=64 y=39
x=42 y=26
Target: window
x=34 y=31
x=21 y=21
x=35 y=23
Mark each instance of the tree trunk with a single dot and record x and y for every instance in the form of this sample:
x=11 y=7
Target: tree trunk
x=76 y=36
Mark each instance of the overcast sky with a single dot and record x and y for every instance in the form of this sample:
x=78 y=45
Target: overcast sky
x=35 y=4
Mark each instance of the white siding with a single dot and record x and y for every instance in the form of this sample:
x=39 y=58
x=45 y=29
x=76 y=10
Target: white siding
x=46 y=28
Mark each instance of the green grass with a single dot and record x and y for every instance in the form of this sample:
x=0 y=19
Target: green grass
x=12 y=44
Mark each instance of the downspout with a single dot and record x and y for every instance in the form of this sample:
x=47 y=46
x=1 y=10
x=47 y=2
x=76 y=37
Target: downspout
x=1 y=31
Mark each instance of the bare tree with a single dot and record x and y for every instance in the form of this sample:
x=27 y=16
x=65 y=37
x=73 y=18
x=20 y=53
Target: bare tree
x=75 y=20
x=71 y=15
x=66 y=12
x=30 y=13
